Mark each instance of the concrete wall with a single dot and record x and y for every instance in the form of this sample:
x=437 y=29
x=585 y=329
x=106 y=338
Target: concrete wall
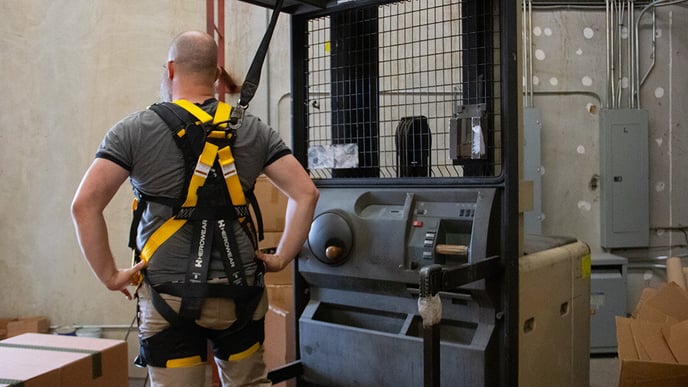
x=569 y=87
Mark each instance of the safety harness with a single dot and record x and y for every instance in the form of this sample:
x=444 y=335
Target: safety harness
x=214 y=199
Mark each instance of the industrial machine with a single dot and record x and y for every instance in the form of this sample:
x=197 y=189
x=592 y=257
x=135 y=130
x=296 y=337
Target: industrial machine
x=361 y=267
x=405 y=115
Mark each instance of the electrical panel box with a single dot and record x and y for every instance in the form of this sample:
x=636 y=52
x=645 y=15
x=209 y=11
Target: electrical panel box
x=532 y=167
x=624 y=205
x=607 y=300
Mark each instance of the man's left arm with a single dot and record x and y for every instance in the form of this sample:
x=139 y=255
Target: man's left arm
x=287 y=174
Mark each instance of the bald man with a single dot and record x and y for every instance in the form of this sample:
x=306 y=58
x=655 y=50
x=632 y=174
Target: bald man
x=141 y=148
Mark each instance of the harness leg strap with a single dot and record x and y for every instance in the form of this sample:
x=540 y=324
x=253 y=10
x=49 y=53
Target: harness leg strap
x=234 y=345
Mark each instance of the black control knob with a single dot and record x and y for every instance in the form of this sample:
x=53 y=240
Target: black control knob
x=330 y=238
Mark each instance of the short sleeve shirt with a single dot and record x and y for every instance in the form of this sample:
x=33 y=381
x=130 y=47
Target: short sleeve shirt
x=142 y=144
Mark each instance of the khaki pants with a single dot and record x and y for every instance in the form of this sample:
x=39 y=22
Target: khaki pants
x=218 y=314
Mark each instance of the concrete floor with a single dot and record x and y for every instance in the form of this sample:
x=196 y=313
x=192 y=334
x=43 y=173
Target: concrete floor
x=604 y=372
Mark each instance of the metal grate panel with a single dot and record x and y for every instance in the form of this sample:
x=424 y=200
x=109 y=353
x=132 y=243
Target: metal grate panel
x=406 y=89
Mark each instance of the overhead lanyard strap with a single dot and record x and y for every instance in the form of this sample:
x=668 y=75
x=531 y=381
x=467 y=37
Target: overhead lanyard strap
x=248 y=89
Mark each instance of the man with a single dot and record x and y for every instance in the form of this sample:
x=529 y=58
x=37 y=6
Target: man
x=141 y=147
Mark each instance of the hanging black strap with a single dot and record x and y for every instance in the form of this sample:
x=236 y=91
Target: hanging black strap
x=250 y=85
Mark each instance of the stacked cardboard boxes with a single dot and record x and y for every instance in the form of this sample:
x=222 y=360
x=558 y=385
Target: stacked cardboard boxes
x=10 y=327
x=279 y=321
x=3 y=326
x=653 y=342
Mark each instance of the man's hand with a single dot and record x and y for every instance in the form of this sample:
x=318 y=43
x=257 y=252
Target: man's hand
x=272 y=262
x=122 y=278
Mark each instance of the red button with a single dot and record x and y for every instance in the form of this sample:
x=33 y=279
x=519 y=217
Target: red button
x=417 y=223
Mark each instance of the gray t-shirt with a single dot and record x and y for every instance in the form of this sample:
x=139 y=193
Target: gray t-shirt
x=142 y=144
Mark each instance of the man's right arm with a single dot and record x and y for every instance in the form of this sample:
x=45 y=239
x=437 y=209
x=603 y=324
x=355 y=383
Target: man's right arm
x=97 y=188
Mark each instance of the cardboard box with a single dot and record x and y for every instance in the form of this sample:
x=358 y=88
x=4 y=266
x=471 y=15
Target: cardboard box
x=282 y=277
x=39 y=360
x=3 y=326
x=270 y=239
x=279 y=340
x=653 y=344
x=273 y=204
x=33 y=324
x=281 y=296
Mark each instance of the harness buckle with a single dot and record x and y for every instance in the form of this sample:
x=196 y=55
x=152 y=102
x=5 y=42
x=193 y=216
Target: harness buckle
x=237 y=116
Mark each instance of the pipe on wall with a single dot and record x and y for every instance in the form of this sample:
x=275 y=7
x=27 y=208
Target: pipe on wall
x=216 y=28
x=636 y=27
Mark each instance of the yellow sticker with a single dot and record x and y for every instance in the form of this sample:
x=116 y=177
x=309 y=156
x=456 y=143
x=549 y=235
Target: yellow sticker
x=586 y=265
x=327 y=46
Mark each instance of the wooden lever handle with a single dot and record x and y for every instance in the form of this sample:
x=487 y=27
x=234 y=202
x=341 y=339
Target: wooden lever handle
x=451 y=249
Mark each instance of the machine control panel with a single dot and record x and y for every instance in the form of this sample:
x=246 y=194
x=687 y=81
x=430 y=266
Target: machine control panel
x=392 y=233
x=440 y=233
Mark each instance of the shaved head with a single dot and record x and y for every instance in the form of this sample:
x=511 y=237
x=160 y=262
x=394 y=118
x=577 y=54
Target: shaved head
x=194 y=53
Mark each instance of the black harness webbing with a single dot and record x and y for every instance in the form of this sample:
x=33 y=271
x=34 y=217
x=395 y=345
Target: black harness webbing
x=246 y=298
x=228 y=245
x=250 y=85
x=197 y=270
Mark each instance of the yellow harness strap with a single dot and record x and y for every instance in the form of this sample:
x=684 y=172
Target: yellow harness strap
x=196 y=110
x=231 y=177
x=222 y=115
x=206 y=159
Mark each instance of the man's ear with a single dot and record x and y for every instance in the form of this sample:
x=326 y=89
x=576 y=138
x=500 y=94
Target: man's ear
x=170 y=69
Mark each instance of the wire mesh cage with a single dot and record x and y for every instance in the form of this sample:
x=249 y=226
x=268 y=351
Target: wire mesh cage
x=408 y=89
